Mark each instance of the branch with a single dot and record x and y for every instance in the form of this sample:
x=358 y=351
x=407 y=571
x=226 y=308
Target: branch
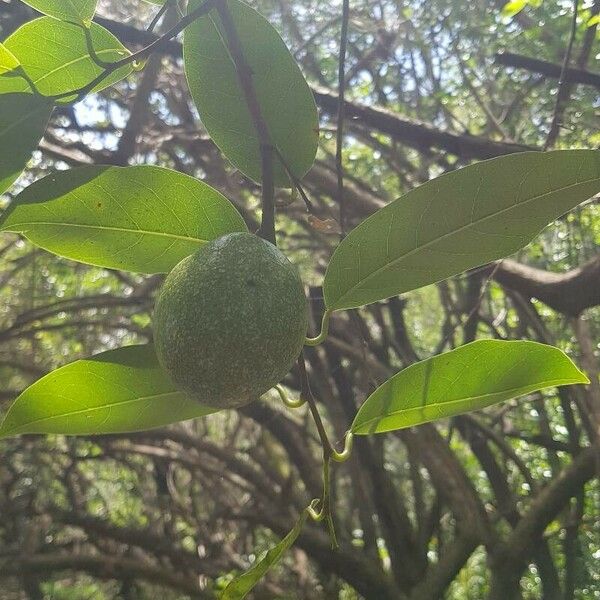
x=546 y=506
x=341 y=114
x=451 y=480
x=244 y=72
x=442 y=573
x=139 y=112
x=103 y=567
x=564 y=89
x=141 y=55
x=569 y=293
x=543 y=67
x=158 y=545
x=412 y=133
x=416 y=134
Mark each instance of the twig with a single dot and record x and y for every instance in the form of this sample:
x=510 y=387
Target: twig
x=329 y=454
x=140 y=56
x=295 y=182
x=158 y=16
x=474 y=310
x=89 y=42
x=315 y=35
x=324 y=512
x=244 y=73
x=341 y=114
x=563 y=87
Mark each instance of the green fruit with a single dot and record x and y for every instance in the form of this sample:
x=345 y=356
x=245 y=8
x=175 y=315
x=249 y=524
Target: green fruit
x=230 y=320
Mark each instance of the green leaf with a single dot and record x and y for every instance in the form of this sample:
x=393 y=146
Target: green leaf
x=23 y=120
x=469 y=378
x=113 y=392
x=510 y=9
x=285 y=99
x=241 y=586
x=8 y=61
x=55 y=56
x=456 y=222
x=595 y=20
x=141 y=218
x=75 y=11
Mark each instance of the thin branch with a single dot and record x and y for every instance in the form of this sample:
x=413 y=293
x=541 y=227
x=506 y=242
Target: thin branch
x=244 y=72
x=139 y=57
x=341 y=114
x=563 y=88
x=328 y=451
x=158 y=16
x=547 y=69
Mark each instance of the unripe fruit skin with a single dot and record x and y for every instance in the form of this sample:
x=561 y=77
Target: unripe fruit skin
x=230 y=320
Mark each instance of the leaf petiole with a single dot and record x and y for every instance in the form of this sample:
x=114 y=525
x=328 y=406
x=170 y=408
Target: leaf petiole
x=315 y=341
x=287 y=400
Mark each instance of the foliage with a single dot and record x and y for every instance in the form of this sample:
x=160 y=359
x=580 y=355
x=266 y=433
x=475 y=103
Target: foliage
x=257 y=106
x=471 y=377
x=143 y=219
x=116 y=391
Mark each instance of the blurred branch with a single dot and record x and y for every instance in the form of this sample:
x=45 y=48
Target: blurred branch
x=103 y=567
x=564 y=89
x=569 y=293
x=548 y=69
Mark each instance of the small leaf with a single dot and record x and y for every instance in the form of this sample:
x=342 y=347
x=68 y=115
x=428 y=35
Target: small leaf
x=8 y=61
x=240 y=587
x=469 y=378
x=510 y=9
x=595 y=20
x=286 y=102
x=75 y=11
x=456 y=222
x=23 y=120
x=142 y=218
x=113 y=392
x=55 y=56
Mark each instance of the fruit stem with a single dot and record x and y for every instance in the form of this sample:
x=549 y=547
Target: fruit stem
x=324 y=331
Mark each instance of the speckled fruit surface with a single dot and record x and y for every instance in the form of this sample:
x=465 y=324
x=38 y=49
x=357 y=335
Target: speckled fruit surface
x=230 y=320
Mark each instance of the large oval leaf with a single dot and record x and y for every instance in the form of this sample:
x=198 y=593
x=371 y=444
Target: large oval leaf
x=113 y=392
x=23 y=120
x=141 y=218
x=469 y=378
x=76 y=11
x=285 y=99
x=56 y=57
x=456 y=222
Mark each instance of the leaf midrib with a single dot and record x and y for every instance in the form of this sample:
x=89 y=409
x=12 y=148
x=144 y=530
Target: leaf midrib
x=455 y=231
x=88 y=410
x=102 y=228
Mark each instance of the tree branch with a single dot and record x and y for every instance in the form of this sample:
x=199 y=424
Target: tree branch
x=548 y=69
x=569 y=293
